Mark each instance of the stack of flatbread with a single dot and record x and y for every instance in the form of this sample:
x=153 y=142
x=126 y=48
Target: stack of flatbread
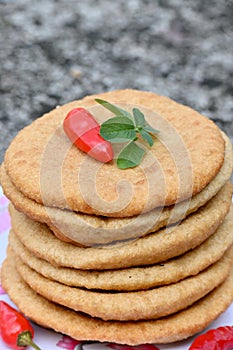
x=142 y=255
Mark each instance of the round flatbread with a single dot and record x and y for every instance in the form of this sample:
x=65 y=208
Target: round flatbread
x=81 y=327
x=171 y=171
x=153 y=248
x=89 y=230
x=136 y=278
x=131 y=306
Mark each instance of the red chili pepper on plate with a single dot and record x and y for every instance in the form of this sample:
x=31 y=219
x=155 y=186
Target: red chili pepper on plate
x=15 y=330
x=215 y=339
x=84 y=131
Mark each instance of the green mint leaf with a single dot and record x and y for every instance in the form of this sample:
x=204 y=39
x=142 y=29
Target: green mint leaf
x=114 y=109
x=126 y=127
x=139 y=118
x=146 y=136
x=118 y=129
x=130 y=156
x=149 y=129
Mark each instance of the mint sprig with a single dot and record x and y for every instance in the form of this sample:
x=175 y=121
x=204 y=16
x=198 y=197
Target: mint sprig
x=127 y=127
x=118 y=129
x=114 y=109
x=130 y=156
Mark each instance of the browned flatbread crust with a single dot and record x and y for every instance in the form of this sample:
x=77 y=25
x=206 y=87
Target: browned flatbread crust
x=153 y=248
x=131 y=306
x=79 y=326
x=172 y=170
x=83 y=229
x=136 y=278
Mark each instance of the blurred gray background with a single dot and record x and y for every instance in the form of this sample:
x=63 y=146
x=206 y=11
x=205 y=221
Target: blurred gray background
x=54 y=51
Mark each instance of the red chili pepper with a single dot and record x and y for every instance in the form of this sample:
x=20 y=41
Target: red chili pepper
x=216 y=339
x=15 y=329
x=84 y=131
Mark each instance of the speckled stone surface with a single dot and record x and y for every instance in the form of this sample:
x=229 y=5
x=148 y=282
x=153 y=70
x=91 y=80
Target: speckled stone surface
x=54 y=51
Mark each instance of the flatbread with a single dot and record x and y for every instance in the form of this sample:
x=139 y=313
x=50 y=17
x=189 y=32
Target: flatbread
x=153 y=248
x=137 y=278
x=81 y=327
x=84 y=229
x=171 y=171
x=131 y=306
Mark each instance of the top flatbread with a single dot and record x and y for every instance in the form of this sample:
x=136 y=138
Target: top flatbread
x=186 y=156
x=85 y=229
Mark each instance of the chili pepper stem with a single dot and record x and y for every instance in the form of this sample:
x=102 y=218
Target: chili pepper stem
x=25 y=339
